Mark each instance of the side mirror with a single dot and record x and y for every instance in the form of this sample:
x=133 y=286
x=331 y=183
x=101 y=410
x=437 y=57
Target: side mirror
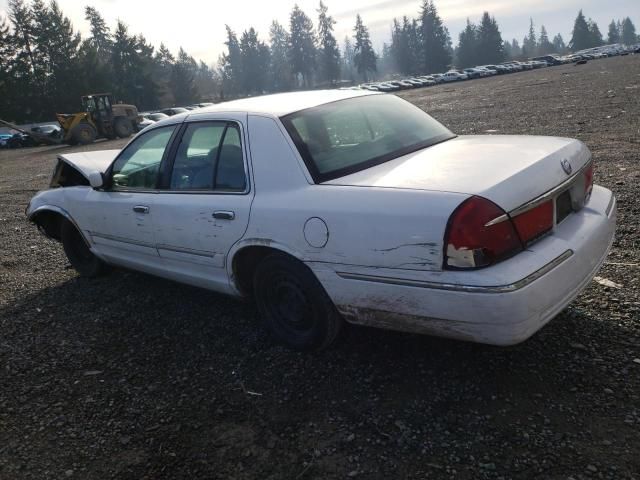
x=95 y=179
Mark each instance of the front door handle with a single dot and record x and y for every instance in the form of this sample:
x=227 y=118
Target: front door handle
x=224 y=215
x=141 y=209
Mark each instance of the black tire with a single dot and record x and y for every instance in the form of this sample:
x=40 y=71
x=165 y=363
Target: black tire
x=293 y=304
x=83 y=134
x=78 y=253
x=122 y=127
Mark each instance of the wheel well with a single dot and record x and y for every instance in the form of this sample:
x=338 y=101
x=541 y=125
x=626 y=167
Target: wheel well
x=50 y=223
x=244 y=265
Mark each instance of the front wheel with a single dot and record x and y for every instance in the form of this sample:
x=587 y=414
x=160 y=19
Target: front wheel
x=293 y=305
x=78 y=253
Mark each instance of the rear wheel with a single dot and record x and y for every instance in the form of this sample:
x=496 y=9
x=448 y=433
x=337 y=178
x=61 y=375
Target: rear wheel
x=78 y=253
x=83 y=134
x=293 y=305
x=122 y=127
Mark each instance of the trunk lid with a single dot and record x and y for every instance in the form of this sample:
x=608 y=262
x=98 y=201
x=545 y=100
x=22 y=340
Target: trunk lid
x=509 y=170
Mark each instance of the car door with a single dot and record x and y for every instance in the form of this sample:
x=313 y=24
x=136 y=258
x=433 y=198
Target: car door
x=203 y=207
x=120 y=216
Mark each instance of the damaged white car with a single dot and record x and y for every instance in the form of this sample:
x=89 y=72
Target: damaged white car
x=342 y=205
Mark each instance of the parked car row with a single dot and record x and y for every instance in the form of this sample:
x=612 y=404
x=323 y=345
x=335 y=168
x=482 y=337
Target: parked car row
x=149 y=118
x=20 y=140
x=481 y=71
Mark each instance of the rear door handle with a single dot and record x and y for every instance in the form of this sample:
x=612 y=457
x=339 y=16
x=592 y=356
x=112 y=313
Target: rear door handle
x=224 y=215
x=141 y=209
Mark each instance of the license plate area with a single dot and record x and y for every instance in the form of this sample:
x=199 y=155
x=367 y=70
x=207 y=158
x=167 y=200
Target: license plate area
x=563 y=206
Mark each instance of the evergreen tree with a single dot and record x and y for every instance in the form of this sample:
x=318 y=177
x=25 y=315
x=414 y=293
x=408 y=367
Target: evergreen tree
x=516 y=50
x=329 y=52
x=529 y=43
x=280 y=67
x=628 y=30
x=466 y=54
x=544 y=45
x=95 y=54
x=231 y=65
x=100 y=38
x=581 y=36
x=6 y=87
x=364 y=57
x=559 y=45
x=614 y=33
x=436 y=43
x=255 y=62
x=594 y=34
x=403 y=45
x=163 y=67
x=302 y=47
x=183 y=79
x=348 y=67
x=386 y=62
x=489 y=48
x=206 y=82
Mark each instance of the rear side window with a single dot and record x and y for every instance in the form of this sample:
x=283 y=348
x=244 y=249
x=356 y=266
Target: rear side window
x=209 y=158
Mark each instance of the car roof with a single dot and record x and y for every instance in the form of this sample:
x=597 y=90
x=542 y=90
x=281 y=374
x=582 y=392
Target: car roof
x=281 y=104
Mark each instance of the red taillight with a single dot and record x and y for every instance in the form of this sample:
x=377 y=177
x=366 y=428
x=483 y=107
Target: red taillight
x=479 y=234
x=588 y=182
x=535 y=222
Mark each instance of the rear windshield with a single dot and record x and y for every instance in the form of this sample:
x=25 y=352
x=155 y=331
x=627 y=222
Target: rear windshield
x=347 y=136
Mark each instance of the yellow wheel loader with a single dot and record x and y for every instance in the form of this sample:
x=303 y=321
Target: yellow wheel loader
x=101 y=118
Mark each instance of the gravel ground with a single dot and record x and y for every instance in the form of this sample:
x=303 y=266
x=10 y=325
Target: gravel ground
x=130 y=376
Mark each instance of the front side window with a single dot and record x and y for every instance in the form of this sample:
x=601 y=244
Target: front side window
x=209 y=158
x=350 y=135
x=139 y=164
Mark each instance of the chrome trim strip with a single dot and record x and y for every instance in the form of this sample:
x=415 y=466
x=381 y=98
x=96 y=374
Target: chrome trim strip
x=199 y=253
x=550 y=194
x=497 y=220
x=122 y=240
x=612 y=202
x=461 y=288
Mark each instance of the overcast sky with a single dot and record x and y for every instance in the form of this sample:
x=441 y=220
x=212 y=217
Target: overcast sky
x=198 y=25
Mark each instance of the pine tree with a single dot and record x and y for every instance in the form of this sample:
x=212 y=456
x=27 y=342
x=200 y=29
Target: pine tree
x=302 y=46
x=280 y=67
x=628 y=36
x=348 y=67
x=231 y=65
x=529 y=43
x=163 y=66
x=435 y=41
x=406 y=46
x=6 y=86
x=96 y=53
x=595 y=35
x=329 y=53
x=183 y=79
x=544 y=45
x=255 y=62
x=581 y=36
x=516 y=50
x=466 y=54
x=489 y=48
x=559 y=45
x=614 y=33
x=364 y=57
x=100 y=38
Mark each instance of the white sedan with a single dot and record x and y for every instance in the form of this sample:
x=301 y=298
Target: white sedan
x=342 y=205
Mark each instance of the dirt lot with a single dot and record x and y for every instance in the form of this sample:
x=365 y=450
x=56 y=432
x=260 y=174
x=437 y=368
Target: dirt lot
x=134 y=377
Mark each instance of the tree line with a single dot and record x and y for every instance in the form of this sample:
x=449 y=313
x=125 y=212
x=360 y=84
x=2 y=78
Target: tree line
x=45 y=65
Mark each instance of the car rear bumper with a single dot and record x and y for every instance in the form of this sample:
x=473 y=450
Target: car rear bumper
x=536 y=285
